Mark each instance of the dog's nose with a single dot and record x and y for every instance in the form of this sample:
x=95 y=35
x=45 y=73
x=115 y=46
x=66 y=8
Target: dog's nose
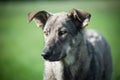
x=46 y=53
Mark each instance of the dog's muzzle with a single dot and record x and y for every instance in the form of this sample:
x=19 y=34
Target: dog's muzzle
x=52 y=53
x=46 y=53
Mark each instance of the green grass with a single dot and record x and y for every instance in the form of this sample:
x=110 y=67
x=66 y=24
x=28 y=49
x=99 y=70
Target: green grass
x=21 y=43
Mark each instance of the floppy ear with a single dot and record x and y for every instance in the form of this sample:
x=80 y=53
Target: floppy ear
x=39 y=17
x=80 y=17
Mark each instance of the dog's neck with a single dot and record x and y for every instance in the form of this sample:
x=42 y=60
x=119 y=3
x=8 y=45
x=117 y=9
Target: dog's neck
x=75 y=57
x=75 y=51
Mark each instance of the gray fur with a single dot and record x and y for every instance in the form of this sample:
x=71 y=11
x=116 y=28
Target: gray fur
x=73 y=53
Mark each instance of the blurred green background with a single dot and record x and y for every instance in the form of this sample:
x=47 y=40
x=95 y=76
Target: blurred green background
x=21 y=43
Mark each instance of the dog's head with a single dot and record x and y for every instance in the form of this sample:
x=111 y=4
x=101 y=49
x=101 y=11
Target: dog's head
x=60 y=31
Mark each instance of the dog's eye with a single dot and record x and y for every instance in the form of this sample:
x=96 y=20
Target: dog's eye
x=62 y=33
x=46 y=33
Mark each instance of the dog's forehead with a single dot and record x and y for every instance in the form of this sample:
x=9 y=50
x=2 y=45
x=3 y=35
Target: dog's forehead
x=56 y=20
x=59 y=17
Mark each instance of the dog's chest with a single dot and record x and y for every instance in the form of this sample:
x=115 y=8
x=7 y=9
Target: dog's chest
x=55 y=69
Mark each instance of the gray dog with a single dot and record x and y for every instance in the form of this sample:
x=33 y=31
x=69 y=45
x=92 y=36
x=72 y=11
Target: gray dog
x=71 y=52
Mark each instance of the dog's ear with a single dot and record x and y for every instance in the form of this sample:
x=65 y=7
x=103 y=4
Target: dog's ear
x=39 y=17
x=80 y=17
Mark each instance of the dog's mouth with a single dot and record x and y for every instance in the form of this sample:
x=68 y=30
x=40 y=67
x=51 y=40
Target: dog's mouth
x=53 y=57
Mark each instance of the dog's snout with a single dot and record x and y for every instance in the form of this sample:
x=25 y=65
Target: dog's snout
x=46 y=53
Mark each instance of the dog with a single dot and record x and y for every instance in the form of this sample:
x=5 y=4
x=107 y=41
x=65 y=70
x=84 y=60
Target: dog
x=72 y=52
